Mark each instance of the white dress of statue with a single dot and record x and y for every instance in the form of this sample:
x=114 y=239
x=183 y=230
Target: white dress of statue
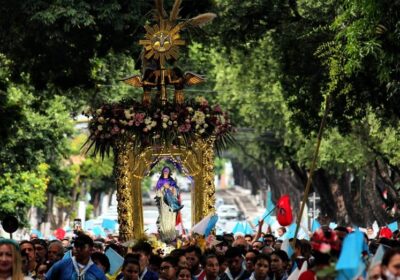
x=167 y=193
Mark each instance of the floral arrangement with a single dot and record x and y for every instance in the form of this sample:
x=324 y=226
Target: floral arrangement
x=171 y=124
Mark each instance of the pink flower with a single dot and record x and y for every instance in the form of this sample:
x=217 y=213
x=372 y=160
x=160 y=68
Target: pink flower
x=140 y=116
x=184 y=128
x=217 y=109
x=115 y=130
x=173 y=116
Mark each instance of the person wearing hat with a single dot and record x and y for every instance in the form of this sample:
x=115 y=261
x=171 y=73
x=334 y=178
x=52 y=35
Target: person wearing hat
x=222 y=246
x=80 y=266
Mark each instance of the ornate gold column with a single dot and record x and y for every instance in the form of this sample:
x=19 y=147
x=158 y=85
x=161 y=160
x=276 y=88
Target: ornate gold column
x=123 y=151
x=129 y=192
x=203 y=196
x=208 y=175
x=137 y=209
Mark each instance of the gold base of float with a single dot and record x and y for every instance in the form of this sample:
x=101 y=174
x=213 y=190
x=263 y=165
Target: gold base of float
x=131 y=168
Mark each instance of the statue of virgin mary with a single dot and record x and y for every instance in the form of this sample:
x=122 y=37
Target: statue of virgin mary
x=167 y=198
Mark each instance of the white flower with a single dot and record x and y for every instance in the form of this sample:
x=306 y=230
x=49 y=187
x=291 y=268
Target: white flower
x=201 y=100
x=198 y=117
x=205 y=125
x=99 y=111
x=153 y=124
x=164 y=125
x=100 y=120
x=128 y=114
x=169 y=122
x=99 y=127
x=201 y=131
x=165 y=118
x=147 y=121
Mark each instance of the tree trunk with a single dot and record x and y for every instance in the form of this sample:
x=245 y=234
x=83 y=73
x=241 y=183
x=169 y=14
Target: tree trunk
x=238 y=174
x=373 y=199
x=95 y=201
x=321 y=184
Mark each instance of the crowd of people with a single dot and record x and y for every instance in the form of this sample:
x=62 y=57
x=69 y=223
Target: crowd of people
x=227 y=256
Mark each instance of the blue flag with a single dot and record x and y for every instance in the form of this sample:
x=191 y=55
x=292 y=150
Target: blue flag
x=89 y=224
x=211 y=224
x=247 y=228
x=393 y=226
x=290 y=231
x=270 y=207
x=238 y=228
x=115 y=259
x=270 y=204
x=315 y=225
x=287 y=247
x=255 y=220
x=109 y=224
x=377 y=259
x=350 y=263
x=98 y=231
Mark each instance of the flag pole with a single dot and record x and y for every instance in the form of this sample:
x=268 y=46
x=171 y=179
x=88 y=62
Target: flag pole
x=309 y=179
x=266 y=215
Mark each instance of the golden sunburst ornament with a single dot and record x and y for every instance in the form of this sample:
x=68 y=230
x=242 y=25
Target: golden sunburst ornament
x=162 y=41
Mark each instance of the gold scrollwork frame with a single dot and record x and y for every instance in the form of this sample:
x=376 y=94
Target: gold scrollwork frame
x=131 y=168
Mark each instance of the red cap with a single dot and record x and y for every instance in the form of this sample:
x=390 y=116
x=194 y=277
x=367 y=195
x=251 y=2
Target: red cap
x=385 y=232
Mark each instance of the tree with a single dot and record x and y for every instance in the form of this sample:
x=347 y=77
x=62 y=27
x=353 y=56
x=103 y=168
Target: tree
x=21 y=190
x=304 y=62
